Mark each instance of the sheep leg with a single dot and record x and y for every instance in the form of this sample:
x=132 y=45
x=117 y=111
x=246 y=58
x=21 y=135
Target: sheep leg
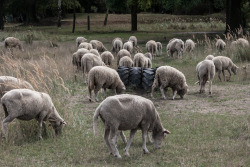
x=149 y=139
x=229 y=71
x=152 y=92
x=112 y=141
x=144 y=139
x=40 y=124
x=104 y=93
x=5 y=123
x=106 y=136
x=123 y=137
x=174 y=93
x=219 y=75
x=210 y=87
x=96 y=90
x=162 y=92
x=224 y=75
x=132 y=134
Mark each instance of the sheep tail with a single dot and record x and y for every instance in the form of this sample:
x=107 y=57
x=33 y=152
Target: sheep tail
x=95 y=120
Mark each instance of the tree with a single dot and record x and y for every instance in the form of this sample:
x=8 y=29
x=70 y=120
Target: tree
x=1 y=15
x=59 y=13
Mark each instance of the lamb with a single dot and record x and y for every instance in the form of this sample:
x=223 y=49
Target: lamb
x=151 y=47
x=224 y=63
x=25 y=104
x=209 y=57
x=79 y=40
x=167 y=76
x=107 y=58
x=88 y=61
x=205 y=72
x=159 y=48
x=98 y=45
x=134 y=40
x=95 y=52
x=148 y=55
x=129 y=46
x=8 y=83
x=126 y=62
x=12 y=42
x=175 y=45
x=85 y=45
x=121 y=54
x=78 y=57
x=189 y=45
x=117 y=45
x=220 y=45
x=129 y=112
x=141 y=61
x=104 y=77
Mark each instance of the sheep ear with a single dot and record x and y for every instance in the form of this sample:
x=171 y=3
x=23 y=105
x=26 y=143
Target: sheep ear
x=63 y=122
x=166 y=131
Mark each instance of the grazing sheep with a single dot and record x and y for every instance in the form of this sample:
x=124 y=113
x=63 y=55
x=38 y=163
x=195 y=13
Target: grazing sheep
x=8 y=83
x=107 y=58
x=104 y=77
x=12 y=42
x=117 y=45
x=129 y=46
x=148 y=63
x=74 y=59
x=175 y=45
x=148 y=55
x=224 y=63
x=205 y=72
x=88 y=61
x=159 y=48
x=220 y=45
x=126 y=62
x=129 y=112
x=98 y=45
x=95 y=52
x=167 y=76
x=151 y=47
x=209 y=57
x=25 y=104
x=79 y=40
x=241 y=42
x=134 y=40
x=189 y=45
x=85 y=45
x=78 y=57
x=141 y=61
x=121 y=54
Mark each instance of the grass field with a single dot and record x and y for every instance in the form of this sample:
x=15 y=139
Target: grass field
x=205 y=130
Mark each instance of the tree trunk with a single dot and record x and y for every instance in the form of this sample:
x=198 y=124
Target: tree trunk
x=106 y=17
x=233 y=16
x=59 y=13
x=1 y=15
x=74 y=18
x=134 y=15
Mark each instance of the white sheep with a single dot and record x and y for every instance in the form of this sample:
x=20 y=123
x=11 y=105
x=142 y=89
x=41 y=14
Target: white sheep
x=148 y=55
x=107 y=58
x=141 y=61
x=98 y=45
x=205 y=71
x=95 y=52
x=175 y=45
x=121 y=54
x=241 y=42
x=106 y=78
x=126 y=62
x=167 y=76
x=12 y=42
x=78 y=57
x=25 y=104
x=209 y=57
x=117 y=45
x=151 y=47
x=159 y=48
x=129 y=46
x=224 y=63
x=220 y=45
x=79 y=40
x=134 y=40
x=85 y=45
x=189 y=45
x=129 y=112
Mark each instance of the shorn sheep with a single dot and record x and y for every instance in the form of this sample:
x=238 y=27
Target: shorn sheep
x=12 y=42
x=151 y=47
x=141 y=61
x=209 y=57
x=107 y=58
x=106 y=78
x=25 y=104
x=220 y=45
x=85 y=45
x=98 y=45
x=126 y=62
x=129 y=112
x=159 y=48
x=224 y=63
x=129 y=46
x=79 y=40
x=121 y=54
x=8 y=83
x=175 y=45
x=117 y=45
x=167 y=76
x=189 y=45
x=205 y=71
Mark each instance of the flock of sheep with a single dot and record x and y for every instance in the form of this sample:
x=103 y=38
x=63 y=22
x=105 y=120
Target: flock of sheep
x=119 y=112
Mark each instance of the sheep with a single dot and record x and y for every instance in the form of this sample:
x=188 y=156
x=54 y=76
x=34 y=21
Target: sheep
x=126 y=62
x=209 y=57
x=149 y=55
x=98 y=45
x=167 y=76
x=148 y=63
x=12 y=42
x=224 y=63
x=8 y=83
x=159 y=48
x=85 y=45
x=74 y=59
x=104 y=77
x=189 y=45
x=141 y=61
x=220 y=45
x=78 y=57
x=129 y=112
x=25 y=104
x=241 y=42
x=129 y=46
x=79 y=40
x=121 y=54
x=151 y=47
x=107 y=58
x=205 y=72
x=88 y=61
x=175 y=45
x=117 y=45
x=134 y=40
x=95 y=52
